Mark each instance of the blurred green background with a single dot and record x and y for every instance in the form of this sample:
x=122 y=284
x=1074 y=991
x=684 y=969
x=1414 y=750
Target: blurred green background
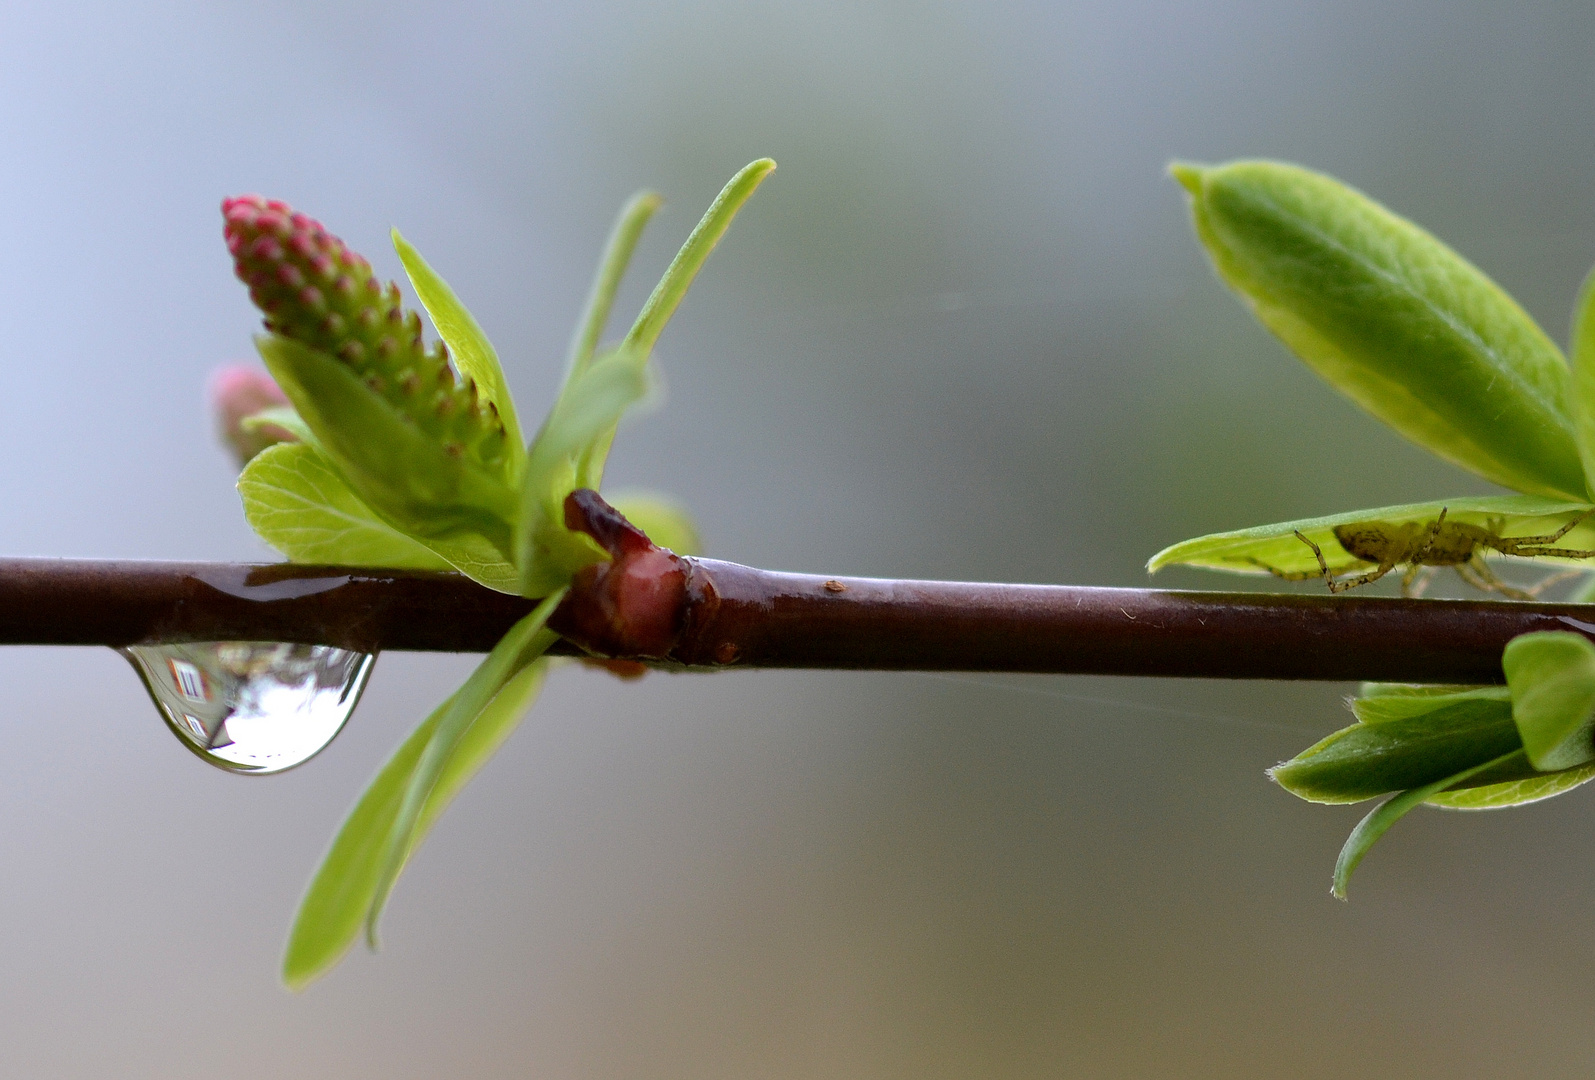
x=963 y=332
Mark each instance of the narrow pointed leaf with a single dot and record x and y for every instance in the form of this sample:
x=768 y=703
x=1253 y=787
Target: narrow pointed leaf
x=1515 y=792
x=1386 y=814
x=622 y=243
x=1552 y=678
x=672 y=288
x=473 y=353
x=1248 y=551
x=340 y=895
x=525 y=642
x=1394 y=319
x=1365 y=761
x=298 y=504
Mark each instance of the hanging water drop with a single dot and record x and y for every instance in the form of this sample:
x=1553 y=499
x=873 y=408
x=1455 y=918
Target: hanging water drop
x=252 y=706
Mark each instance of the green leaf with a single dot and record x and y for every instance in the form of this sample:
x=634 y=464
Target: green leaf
x=299 y=505
x=525 y=642
x=1514 y=792
x=473 y=353
x=398 y=470
x=341 y=894
x=1552 y=677
x=559 y=462
x=666 y=521
x=1386 y=814
x=612 y=265
x=1387 y=705
x=1394 y=319
x=1583 y=398
x=1364 y=761
x=1276 y=546
x=678 y=277
x=280 y=416
x=478 y=558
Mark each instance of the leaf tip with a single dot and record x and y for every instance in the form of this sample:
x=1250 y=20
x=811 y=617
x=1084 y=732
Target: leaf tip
x=1188 y=175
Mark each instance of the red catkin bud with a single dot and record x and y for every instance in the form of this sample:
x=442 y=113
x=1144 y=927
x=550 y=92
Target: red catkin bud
x=313 y=289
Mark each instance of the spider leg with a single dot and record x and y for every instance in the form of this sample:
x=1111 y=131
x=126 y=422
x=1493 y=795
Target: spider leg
x=1288 y=575
x=1430 y=535
x=1340 y=585
x=1323 y=572
x=1480 y=576
x=1534 y=551
x=1416 y=581
x=1547 y=539
x=1409 y=581
x=1544 y=583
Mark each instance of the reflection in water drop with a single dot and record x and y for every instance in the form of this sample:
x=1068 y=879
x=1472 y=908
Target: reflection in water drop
x=252 y=706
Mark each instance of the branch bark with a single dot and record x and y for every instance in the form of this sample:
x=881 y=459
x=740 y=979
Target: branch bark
x=740 y=617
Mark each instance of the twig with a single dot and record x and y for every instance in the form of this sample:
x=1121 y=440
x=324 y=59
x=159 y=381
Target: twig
x=739 y=617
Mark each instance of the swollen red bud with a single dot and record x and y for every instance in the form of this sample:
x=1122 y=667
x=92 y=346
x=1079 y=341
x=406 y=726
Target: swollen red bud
x=313 y=289
x=236 y=393
x=634 y=605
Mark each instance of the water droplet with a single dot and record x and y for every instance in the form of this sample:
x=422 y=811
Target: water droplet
x=252 y=706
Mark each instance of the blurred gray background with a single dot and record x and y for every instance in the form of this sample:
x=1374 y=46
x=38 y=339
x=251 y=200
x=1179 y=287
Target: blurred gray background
x=963 y=332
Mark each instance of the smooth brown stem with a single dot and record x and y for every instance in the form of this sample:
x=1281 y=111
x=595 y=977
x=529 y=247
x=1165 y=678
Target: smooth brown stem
x=739 y=617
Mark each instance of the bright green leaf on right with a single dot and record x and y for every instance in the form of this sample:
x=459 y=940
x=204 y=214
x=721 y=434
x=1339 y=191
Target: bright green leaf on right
x=1394 y=319
x=1365 y=761
x=1552 y=678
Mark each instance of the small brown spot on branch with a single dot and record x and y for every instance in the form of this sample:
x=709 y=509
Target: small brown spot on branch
x=835 y=586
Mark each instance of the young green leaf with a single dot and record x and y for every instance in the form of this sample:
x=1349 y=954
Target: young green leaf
x=678 y=277
x=525 y=642
x=340 y=895
x=547 y=552
x=623 y=237
x=281 y=417
x=1254 y=550
x=1364 y=761
x=1386 y=814
x=299 y=505
x=1552 y=678
x=1583 y=356
x=672 y=289
x=473 y=353
x=478 y=558
x=1514 y=792
x=1386 y=705
x=398 y=469
x=1394 y=319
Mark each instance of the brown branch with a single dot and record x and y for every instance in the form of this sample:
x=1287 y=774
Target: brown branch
x=737 y=616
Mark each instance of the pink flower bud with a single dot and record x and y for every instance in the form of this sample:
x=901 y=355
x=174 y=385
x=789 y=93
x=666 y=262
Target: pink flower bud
x=236 y=393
